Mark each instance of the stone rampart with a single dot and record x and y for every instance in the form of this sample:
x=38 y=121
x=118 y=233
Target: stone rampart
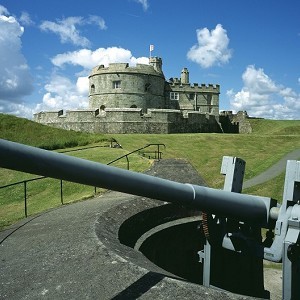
x=130 y=120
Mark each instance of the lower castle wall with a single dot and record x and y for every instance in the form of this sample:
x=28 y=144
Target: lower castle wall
x=130 y=120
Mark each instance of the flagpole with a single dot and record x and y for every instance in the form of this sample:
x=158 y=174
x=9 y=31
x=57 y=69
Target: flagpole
x=151 y=48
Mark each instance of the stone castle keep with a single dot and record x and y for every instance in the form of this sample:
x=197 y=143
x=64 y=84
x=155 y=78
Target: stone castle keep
x=125 y=99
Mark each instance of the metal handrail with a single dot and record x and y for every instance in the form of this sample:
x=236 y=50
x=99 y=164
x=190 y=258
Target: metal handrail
x=24 y=182
x=138 y=150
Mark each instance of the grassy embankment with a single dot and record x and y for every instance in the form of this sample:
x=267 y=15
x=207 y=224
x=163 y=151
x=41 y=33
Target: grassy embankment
x=44 y=194
x=269 y=142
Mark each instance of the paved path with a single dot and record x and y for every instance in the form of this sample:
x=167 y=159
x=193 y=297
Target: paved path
x=274 y=171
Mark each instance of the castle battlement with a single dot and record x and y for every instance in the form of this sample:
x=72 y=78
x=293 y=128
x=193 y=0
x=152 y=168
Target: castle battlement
x=124 y=68
x=126 y=120
x=215 y=88
x=138 y=99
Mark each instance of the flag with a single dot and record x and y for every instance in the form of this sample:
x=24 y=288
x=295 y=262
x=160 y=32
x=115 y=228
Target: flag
x=151 y=48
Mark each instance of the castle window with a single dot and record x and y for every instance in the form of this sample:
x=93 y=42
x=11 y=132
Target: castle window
x=147 y=87
x=174 y=96
x=133 y=106
x=102 y=108
x=117 y=84
x=92 y=88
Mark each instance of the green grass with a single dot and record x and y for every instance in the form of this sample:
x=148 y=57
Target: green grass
x=44 y=194
x=275 y=127
x=270 y=141
x=205 y=151
x=31 y=133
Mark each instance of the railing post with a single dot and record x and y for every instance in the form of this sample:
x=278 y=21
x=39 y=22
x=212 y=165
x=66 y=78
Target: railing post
x=127 y=162
x=25 y=199
x=61 y=192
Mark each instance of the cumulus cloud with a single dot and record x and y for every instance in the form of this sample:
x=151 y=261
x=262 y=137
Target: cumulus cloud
x=3 y=10
x=67 y=29
x=144 y=3
x=63 y=93
x=15 y=78
x=262 y=97
x=101 y=56
x=16 y=109
x=212 y=47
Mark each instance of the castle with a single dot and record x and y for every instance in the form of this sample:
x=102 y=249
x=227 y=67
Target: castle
x=125 y=99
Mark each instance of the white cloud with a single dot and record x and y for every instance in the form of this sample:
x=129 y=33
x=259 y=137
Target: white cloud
x=3 y=10
x=97 y=21
x=262 y=97
x=16 y=109
x=15 y=78
x=62 y=93
x=67 y=29
x=25 y=19
x=82 y=86
x=212 y=47
x=102 y=56
x=144 y=3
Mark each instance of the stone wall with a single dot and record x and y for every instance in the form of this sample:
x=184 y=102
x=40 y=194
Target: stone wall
x=130 y=120
x=238 y=122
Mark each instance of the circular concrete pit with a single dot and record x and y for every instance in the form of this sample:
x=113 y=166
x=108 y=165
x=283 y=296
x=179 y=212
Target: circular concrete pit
x=159 y=237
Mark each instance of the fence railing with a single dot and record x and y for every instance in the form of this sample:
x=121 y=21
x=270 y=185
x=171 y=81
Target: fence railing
x=157 y=155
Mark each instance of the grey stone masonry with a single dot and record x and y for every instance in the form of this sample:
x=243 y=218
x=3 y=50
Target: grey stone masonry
x=138 y=99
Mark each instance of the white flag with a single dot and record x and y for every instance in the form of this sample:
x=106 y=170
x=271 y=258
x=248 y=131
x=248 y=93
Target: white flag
x=151 y=47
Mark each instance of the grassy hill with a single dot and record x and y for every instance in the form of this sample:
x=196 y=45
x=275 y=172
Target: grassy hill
x=44 y=194
x=275 y=127
x=270 y=141
x=31 y=133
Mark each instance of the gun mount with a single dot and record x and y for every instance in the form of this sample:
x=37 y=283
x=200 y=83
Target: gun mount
x=231 y=220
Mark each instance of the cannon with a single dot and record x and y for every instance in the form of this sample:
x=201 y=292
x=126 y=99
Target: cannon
x=231 y=220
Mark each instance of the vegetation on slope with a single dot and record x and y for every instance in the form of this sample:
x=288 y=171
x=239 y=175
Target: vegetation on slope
x=44 y=194
x=275 y=127
x=270 y=141
x=31 y=133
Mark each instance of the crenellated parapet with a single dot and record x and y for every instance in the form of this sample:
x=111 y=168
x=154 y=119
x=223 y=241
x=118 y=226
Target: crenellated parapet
x=213 y=88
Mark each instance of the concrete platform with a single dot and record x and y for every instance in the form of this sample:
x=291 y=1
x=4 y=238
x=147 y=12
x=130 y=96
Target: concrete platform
x=74 y=252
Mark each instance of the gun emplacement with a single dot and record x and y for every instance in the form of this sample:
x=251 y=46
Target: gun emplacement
x=234 y=218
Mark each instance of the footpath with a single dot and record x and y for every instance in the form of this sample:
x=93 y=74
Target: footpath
x=274 y=171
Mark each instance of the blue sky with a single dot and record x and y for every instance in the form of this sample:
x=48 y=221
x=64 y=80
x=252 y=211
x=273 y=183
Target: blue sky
x=250 y=47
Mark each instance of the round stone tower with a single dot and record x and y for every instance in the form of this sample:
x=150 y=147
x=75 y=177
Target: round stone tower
x=122 y=86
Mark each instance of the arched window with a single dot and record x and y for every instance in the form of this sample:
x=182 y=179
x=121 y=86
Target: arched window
x=92 y=88
x=133 y=106
x=102 y=108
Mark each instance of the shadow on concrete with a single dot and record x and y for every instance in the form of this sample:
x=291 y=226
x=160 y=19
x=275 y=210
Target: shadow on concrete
x=140 y=287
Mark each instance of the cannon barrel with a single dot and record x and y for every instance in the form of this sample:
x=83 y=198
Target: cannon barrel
x=33 y=160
